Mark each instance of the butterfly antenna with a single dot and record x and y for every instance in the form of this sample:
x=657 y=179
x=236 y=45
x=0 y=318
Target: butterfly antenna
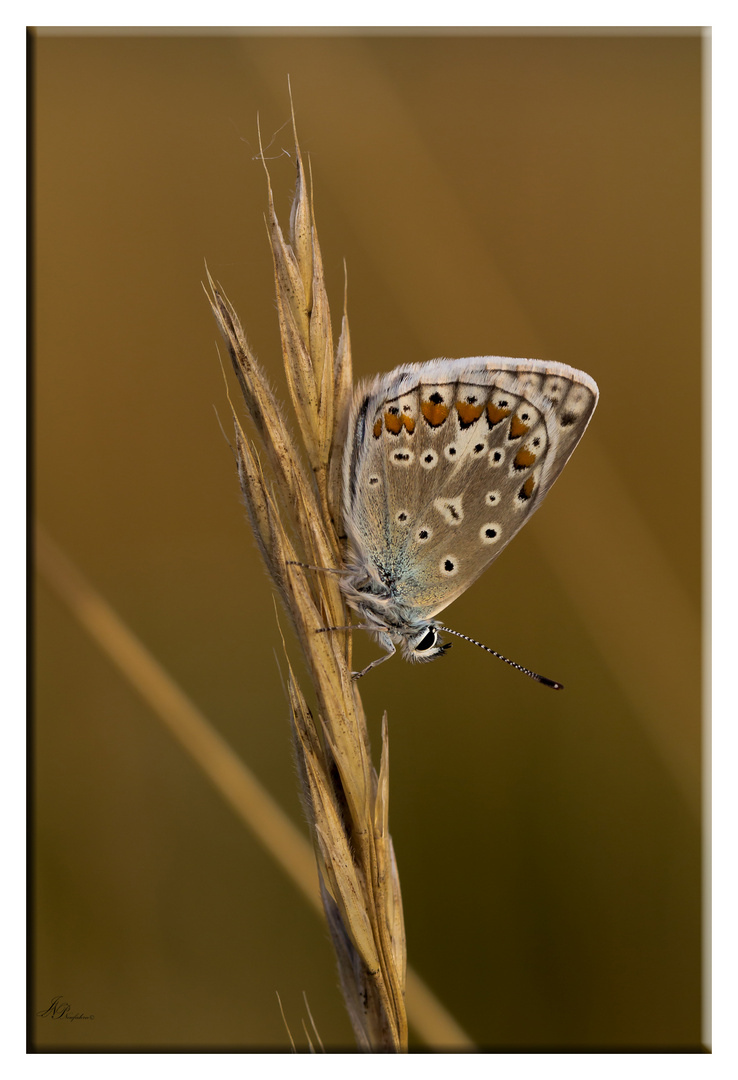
x=518 y=667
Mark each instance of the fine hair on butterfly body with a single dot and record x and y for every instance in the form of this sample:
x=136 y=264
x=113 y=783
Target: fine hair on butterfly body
x=444 y=463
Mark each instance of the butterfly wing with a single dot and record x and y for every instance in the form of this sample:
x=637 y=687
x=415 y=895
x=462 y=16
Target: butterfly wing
x=447 y=460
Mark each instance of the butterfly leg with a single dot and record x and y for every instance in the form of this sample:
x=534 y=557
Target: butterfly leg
x=384 y=639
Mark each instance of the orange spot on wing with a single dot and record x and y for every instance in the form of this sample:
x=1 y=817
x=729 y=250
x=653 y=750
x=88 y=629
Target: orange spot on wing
x=393 y=422
x=377 y=428
x=434 y=414
x=496 y=414
x=518 y=428
x=527 y=489
x=409 y=423
x=524 y=459
x=468 y=413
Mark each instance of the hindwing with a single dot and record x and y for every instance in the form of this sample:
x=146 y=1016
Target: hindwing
x=446 y=461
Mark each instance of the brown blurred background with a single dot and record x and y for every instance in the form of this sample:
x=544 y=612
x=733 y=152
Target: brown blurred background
x=515 y=194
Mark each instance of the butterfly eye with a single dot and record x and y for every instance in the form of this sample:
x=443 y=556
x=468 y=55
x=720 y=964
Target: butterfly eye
x=428 y=641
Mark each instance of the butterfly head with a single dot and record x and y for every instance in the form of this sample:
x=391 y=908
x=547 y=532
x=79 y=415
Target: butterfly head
x=423 y=644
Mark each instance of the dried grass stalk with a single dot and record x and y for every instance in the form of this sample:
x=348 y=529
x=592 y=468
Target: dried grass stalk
x=296 y=517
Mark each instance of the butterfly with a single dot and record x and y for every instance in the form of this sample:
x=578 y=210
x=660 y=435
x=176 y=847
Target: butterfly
x=444 y=463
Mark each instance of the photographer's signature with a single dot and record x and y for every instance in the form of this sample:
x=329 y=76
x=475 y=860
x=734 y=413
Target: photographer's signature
x=62 y=1010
